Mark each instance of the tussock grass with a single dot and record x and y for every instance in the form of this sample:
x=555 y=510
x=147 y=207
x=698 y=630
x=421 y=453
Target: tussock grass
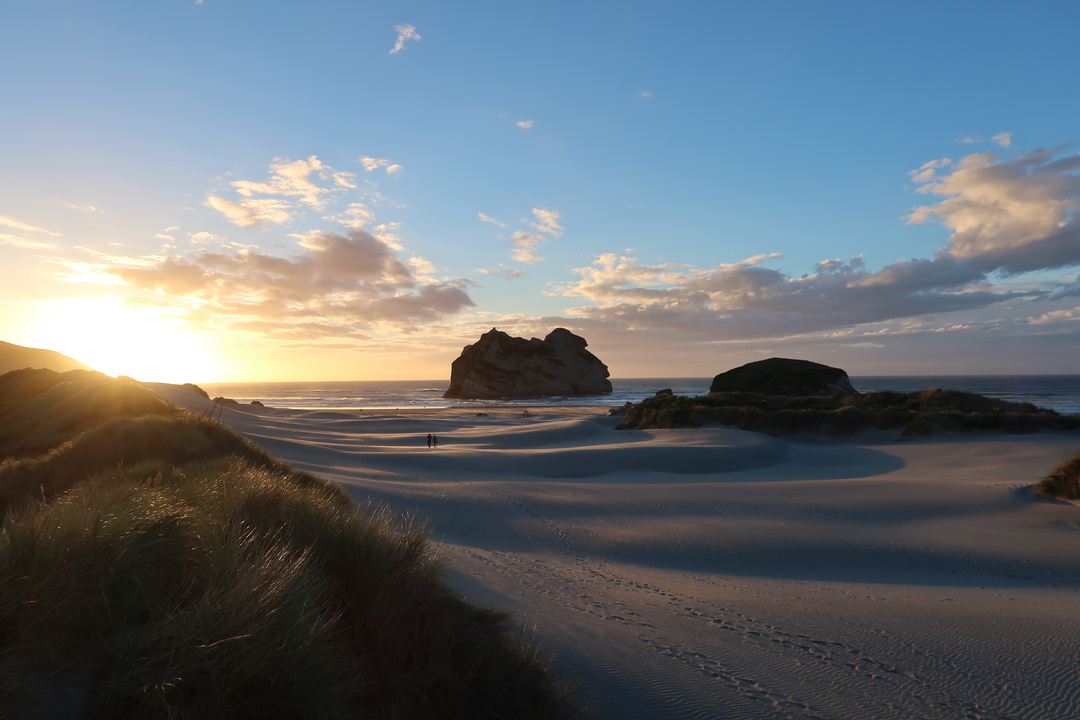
x=39 y=409
x=176 y=440
x=162 y=566
x=1064 y=482
x=915 y=414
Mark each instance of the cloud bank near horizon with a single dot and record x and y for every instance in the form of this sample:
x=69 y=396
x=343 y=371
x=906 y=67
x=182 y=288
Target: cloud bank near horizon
x=1007 y=218
x=336 y=285
x=1014 y=228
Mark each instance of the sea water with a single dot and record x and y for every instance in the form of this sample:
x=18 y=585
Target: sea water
x=1056 y=392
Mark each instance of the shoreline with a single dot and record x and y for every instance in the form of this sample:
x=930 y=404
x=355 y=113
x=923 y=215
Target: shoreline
x=1057 y=392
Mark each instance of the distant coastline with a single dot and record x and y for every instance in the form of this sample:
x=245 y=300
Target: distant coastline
x=1056 y=392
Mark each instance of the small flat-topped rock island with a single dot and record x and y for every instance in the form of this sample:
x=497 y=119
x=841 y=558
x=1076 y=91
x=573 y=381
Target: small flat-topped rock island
x=501 y=366
x=784 y=376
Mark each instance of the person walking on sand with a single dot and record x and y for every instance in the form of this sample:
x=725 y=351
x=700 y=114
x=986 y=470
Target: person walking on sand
x=429 y=437
x=435 y=440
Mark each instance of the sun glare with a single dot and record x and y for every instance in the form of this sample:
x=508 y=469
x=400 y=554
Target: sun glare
x=119 y=340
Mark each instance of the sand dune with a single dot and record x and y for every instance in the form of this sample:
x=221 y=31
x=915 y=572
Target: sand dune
x=714 y=573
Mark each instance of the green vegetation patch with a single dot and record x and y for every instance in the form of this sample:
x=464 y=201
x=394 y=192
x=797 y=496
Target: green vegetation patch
x=163 y=566
x=914 y=414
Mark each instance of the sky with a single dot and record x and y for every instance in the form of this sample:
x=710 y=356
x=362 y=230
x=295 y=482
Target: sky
x=231 y=190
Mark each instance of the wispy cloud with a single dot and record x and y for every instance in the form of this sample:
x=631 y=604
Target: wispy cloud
x=524 y=244
x=1004 y=139
x=22 y=242
x=25 y=227
x=527 y=124
x=1057 y=316
x=202 y=238
x=291 y=186
x=246 y=215
x=371 y=164
x=404 y=33
x=296 y=179
x=502 y=271
x=73 y=206
x=547 y=222
x=927 y=170
x=646 y=95
x=489 y=219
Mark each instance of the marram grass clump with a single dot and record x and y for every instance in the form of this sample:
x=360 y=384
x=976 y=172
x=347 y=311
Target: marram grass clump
x=164 y=567
x=1064 y=482
x=174 y=440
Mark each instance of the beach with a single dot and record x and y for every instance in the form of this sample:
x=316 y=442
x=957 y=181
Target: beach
x=715 y=573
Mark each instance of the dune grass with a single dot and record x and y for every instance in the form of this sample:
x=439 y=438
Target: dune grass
x=914 y=414
x=39 y=409
x=163 y=567
x=1064 y=482
x=176 y=440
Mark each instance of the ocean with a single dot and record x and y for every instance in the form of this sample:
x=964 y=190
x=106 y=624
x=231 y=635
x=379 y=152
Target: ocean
x=1056 y=392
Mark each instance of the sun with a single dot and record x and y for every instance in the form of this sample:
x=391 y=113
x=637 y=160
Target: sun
x=115 y=338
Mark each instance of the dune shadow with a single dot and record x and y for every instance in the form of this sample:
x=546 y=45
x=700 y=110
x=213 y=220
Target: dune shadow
x=833 y=562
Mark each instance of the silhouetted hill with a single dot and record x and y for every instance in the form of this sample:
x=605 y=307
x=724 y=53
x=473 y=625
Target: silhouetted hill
x=17 y=357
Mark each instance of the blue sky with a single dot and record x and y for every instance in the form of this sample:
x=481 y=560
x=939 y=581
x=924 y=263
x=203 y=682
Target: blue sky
x=226 y=190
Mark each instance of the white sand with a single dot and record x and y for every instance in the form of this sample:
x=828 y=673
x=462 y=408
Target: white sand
x=713 y=573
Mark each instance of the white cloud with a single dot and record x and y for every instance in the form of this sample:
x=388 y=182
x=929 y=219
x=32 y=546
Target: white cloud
x=26 y=243
x=289 y=189
x=927 y=170
x=523 y=247
x=489 y=219
x=371 y=164
x=1056 y=316
x=1008 y=215
x=1004 y=139
x=646 y=95
x=88 y=274
x=236 y=213
x=295 y=180
x=404 y=32
x=527 y=124
x=72 y=206
x=745 y=300
x=423 y=268
x=524 y=244
x=547 y=222
x=502 y=271
x=356 y=215
x=17 y=225
x=352 y=281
